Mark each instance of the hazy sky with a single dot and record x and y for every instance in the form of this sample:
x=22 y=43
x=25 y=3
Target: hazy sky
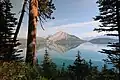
x=71 y=16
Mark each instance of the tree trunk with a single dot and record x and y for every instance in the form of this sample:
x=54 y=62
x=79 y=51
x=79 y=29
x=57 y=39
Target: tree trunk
x=31 y=40
x=20 y=20
x=118 y=24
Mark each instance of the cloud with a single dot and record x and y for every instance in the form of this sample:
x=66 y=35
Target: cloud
x=92 y=34
x=78 y=29
x=81 y=24
x=82 y=29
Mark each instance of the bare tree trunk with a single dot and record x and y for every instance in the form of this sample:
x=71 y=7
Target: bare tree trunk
x=20 y=20
x=31 y=40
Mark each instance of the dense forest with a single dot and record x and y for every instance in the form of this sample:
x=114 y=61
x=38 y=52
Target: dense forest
x=12 y=65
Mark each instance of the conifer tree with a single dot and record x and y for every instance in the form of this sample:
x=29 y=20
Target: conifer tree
x=38 y=10
x=107 y=74
x=63 y=69
x=8 y=47
x=110 y=22
x=93 y=71
x=48 y=67
x=79 y=70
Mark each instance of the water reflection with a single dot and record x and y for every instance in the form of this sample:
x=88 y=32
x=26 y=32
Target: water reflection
x=60 y=48
x=69 y=51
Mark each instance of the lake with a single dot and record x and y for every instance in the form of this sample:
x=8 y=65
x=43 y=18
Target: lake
x=67 y=54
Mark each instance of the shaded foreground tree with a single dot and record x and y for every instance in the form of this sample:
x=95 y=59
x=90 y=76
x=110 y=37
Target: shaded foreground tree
x=107 y=74
x=18 y=71
x=110 y=22
x=41 y=9
x=103 y=74
x=48 y=68
x=79 y=70
x=8 y=46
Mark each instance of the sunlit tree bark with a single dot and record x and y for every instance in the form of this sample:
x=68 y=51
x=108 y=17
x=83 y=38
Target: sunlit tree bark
x=31 y=40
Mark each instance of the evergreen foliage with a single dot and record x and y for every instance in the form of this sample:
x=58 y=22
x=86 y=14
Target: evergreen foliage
x=18 y=71
x=107 y=74
x=79 y=70
x=110 y=22
x=93 y=72
x=8 y=46
x=48 y=68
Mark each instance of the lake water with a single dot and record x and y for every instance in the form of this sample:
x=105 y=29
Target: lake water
x=67 y=54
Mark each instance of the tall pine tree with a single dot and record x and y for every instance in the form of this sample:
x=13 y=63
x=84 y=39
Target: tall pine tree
x=110 y=22
x=8 y=47
x=79 y=70
x=48 y=67
x=38 y=10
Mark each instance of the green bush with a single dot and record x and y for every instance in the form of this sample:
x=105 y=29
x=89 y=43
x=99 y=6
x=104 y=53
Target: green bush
x=18 y=71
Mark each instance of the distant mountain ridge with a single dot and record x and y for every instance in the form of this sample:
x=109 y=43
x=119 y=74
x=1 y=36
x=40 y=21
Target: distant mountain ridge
x=103 y=40
x=65 y=39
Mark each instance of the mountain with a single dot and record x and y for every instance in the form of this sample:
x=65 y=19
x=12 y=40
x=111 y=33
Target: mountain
x=100 y=36
x=103 y=40
x=64 y=38
x=63 y=42
x=60 y=42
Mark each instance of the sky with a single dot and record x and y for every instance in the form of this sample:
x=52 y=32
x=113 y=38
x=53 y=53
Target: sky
x=72 y=16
